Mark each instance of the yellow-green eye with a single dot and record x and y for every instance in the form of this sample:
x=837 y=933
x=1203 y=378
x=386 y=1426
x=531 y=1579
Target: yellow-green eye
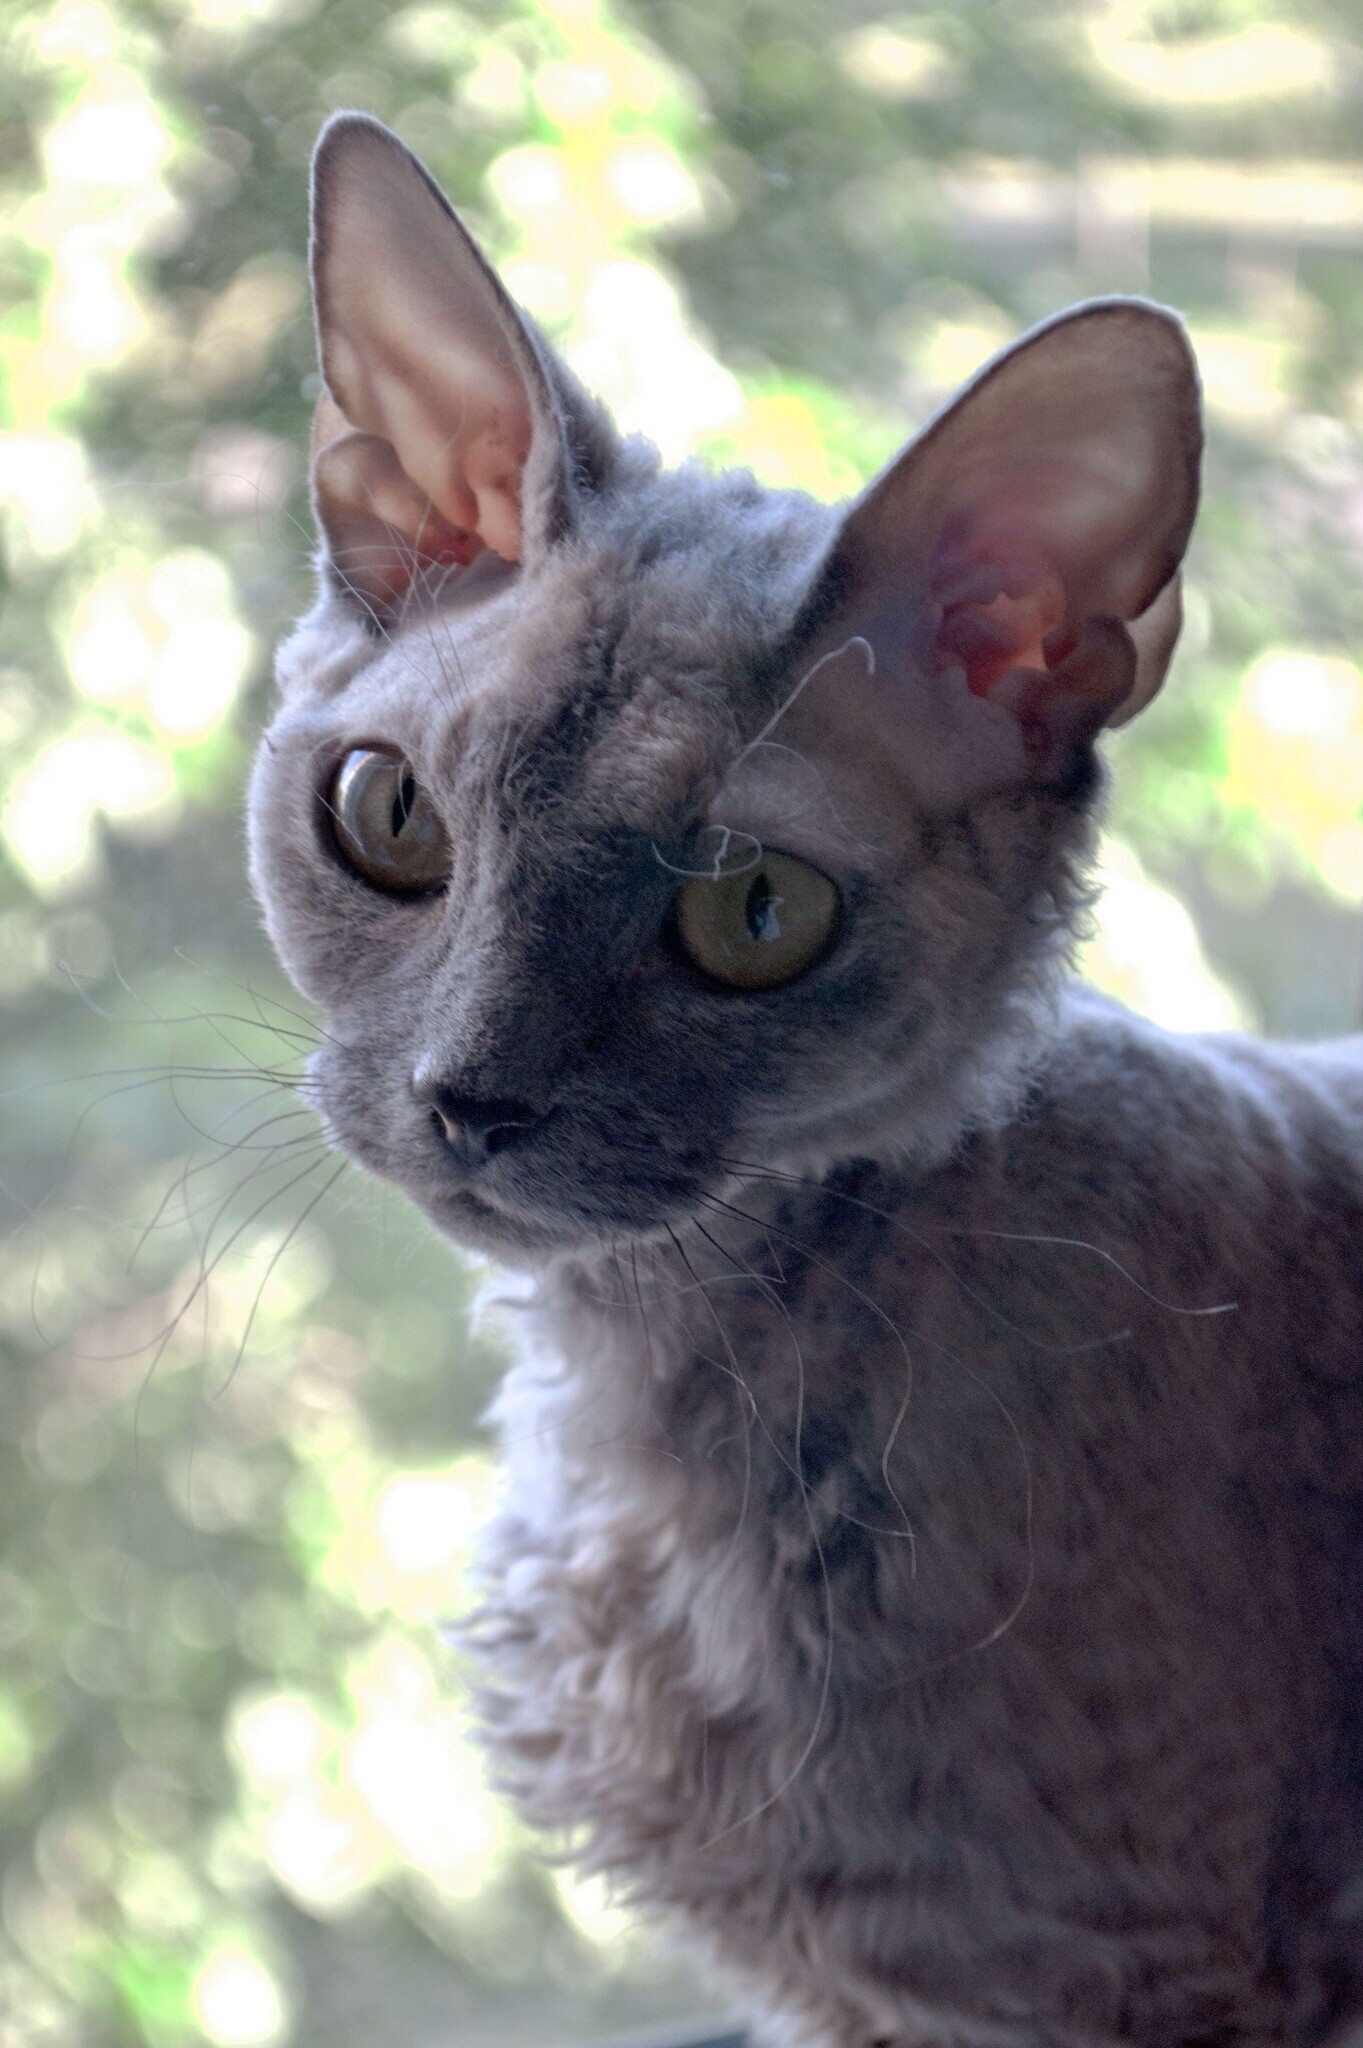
x=760 y=928
x=385 y=827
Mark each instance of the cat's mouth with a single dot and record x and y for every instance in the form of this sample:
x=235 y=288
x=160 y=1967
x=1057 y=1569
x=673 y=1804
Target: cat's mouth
x=506 y=1222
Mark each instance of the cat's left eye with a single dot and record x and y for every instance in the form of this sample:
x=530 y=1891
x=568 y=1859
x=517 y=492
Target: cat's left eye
x=384 y=826
x=762 y=927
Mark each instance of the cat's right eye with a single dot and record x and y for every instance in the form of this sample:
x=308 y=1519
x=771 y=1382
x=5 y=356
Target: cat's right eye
x=384 y=827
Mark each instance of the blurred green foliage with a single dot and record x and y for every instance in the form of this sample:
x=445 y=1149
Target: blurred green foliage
x=239 y=1442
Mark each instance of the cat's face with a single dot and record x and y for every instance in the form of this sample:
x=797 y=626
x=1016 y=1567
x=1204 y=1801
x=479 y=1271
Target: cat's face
x=629 y=828
x=580 y=749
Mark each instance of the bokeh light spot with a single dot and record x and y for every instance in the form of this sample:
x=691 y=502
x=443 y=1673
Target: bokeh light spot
x=237 y=2002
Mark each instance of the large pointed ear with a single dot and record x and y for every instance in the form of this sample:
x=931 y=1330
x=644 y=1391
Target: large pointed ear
x=439 y=432
x=1030 y=538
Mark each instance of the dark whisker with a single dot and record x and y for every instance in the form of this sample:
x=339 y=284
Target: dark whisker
x=206 y=1270
x=199 y=1290
x=287 y=1240
x=180 y=1185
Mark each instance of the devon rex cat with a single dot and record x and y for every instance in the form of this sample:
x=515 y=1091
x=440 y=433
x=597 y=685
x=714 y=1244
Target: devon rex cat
x=932 y=1550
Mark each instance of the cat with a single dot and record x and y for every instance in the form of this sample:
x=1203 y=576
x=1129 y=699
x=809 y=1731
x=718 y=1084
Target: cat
x=931 y=1552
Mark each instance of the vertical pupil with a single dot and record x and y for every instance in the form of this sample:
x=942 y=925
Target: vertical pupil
x=404 y=803
x=757 y=907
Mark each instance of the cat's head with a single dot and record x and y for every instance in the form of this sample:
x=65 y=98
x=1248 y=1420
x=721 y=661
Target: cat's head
x=627 y=825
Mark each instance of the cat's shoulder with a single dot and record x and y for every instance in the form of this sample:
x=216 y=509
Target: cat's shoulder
x=1114 y=1094
x=1099 y=1045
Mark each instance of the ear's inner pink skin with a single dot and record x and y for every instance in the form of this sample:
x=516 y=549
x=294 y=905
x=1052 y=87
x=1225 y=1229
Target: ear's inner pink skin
x=1019 y=608
x=434 y=393
x=1001 y=617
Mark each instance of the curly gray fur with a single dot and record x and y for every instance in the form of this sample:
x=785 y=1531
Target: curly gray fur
x=931 y=1557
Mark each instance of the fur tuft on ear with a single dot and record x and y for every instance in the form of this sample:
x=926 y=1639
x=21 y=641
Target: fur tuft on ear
x=1031 y=536
x=439 y=433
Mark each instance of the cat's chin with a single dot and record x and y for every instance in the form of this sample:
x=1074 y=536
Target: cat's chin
x=481 y=1226
x=520 y=1237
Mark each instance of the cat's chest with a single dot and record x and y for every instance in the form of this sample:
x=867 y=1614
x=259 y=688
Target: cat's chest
x=832 y=1580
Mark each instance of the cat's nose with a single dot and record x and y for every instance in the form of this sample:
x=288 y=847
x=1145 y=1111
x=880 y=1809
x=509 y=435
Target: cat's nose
x=472 y=1129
